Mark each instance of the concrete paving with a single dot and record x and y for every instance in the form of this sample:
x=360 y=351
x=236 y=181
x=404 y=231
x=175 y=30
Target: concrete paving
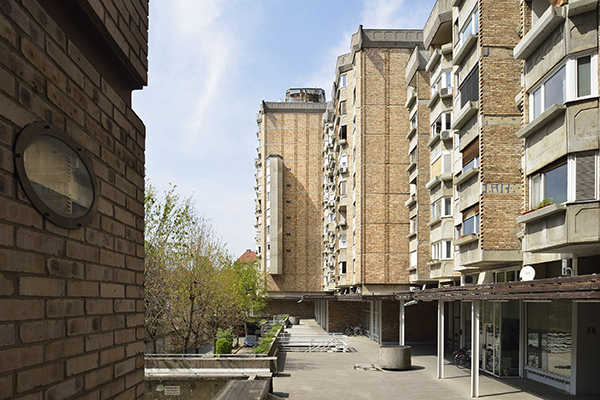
x=316 y=376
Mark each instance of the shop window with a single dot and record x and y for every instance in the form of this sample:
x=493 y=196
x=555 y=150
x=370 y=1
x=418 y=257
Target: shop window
x=549 y=338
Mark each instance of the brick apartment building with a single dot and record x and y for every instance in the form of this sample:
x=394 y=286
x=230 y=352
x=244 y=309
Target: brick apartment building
x=71 y=199
x=461 y=172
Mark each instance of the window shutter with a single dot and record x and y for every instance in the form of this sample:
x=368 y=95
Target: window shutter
x=447 y=167
x=585 y=180
x=470 y=152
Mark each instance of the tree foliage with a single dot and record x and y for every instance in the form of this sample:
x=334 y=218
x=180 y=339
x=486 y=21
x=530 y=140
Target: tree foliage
x=193 y=286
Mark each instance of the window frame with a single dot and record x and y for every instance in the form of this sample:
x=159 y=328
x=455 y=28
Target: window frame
x=442 y=250
x=571 y=83
x=473 y=21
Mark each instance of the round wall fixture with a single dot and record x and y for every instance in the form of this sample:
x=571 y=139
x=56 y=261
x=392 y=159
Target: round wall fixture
x=56 y=175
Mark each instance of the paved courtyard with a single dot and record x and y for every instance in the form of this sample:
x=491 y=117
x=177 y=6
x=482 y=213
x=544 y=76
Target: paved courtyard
x=316 y=376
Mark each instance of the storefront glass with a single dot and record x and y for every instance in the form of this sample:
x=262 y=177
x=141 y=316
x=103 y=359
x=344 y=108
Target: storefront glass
x=549 y=337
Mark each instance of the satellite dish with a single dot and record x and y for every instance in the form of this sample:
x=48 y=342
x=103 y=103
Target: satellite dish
x=527 y=273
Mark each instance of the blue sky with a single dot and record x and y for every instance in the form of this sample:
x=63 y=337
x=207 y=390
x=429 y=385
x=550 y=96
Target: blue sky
x=212 y=62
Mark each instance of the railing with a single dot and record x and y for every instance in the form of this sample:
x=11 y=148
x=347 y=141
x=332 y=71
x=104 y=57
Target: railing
x=314 y=343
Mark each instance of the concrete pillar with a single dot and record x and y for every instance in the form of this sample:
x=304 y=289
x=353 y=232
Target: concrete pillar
x=475 y=317
x=440 y=340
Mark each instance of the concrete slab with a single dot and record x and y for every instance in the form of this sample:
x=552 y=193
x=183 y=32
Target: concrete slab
x=316 y=376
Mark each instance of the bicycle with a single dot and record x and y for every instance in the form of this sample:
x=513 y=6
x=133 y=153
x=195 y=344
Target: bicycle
x=462 y=357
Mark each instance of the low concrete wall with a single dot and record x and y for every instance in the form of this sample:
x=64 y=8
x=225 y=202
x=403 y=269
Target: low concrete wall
x=190 y=387
x=239 y=362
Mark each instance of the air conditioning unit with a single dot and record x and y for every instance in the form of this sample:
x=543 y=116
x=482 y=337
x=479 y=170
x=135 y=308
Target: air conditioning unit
x=445 y=92
x=445 y=135
x=343 y=170
x=469 y=279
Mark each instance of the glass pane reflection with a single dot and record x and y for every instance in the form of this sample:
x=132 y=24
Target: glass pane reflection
x=58 y=176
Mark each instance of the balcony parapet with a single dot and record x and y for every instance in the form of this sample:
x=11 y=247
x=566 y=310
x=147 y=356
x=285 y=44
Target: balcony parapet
x=548 y=115
x=577 y=7
x=473 y=237
x=465 y=176
x=417 y=61
x=465 y=114
x=463 y=50
x=541 y=213
x=411 y=98
x=433 y=60
x=551 y=18
x=411 y=200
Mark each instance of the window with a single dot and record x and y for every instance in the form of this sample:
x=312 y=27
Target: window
x=343 y=80
x=443 y=123
x=268 y=230
x=470 y=155
x=549 y=185
x=413 y=121
x=413 y=259
x=343 y=132
x=413 y=224
x=505 y=276
x=332 y=217
x=443 y=81
x=470 y=226
x=572 y=81
x=441 y=208
x=471 y=27
x=342 y=267
x=585 y=175
x=342 y=188
x=343 y=107
x=469 y=89
x=343 y=160
x=342 y=241
x=441 y=250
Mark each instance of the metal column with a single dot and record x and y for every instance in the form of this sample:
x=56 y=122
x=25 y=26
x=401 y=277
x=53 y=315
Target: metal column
x=475 y=317
x=440 y=340
x=402 y=336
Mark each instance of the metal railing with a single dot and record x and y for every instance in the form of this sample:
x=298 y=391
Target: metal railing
x=314 y=343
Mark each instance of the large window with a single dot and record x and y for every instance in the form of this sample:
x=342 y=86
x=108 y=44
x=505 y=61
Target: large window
x=413 y=259
x=342 y=241
x=441 y=208
x=471 y=27
x=469 y=89
x=575 y=179
x=470 y=225
x=441 y=250
x=573 y=80
x=550 y=185
x=549 y=338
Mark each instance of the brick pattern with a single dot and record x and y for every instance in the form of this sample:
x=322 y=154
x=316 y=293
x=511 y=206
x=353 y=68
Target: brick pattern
x=71 y=301
x=296 y=136
x=381 y=176
x=126 y=24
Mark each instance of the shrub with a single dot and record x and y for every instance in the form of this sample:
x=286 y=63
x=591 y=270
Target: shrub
x=275 y=328
x=226 y=334
x=223 y=346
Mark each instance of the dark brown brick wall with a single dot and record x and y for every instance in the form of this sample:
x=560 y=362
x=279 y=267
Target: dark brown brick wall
x=71 y=300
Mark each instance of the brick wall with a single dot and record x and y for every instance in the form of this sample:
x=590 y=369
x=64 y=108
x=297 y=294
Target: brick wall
x=71 y=300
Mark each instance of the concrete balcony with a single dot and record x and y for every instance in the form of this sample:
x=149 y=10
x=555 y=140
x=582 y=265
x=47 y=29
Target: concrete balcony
x=465 y=114
x=472 y=256
x=442 y=270
x=417 y=61
x=562 y=228
x=438 y=28
x=539 y=32
x=461 y=52
x=411 y=98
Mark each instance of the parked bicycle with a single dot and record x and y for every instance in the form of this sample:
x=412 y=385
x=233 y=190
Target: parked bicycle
x=353 y=330
x=462 y=357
